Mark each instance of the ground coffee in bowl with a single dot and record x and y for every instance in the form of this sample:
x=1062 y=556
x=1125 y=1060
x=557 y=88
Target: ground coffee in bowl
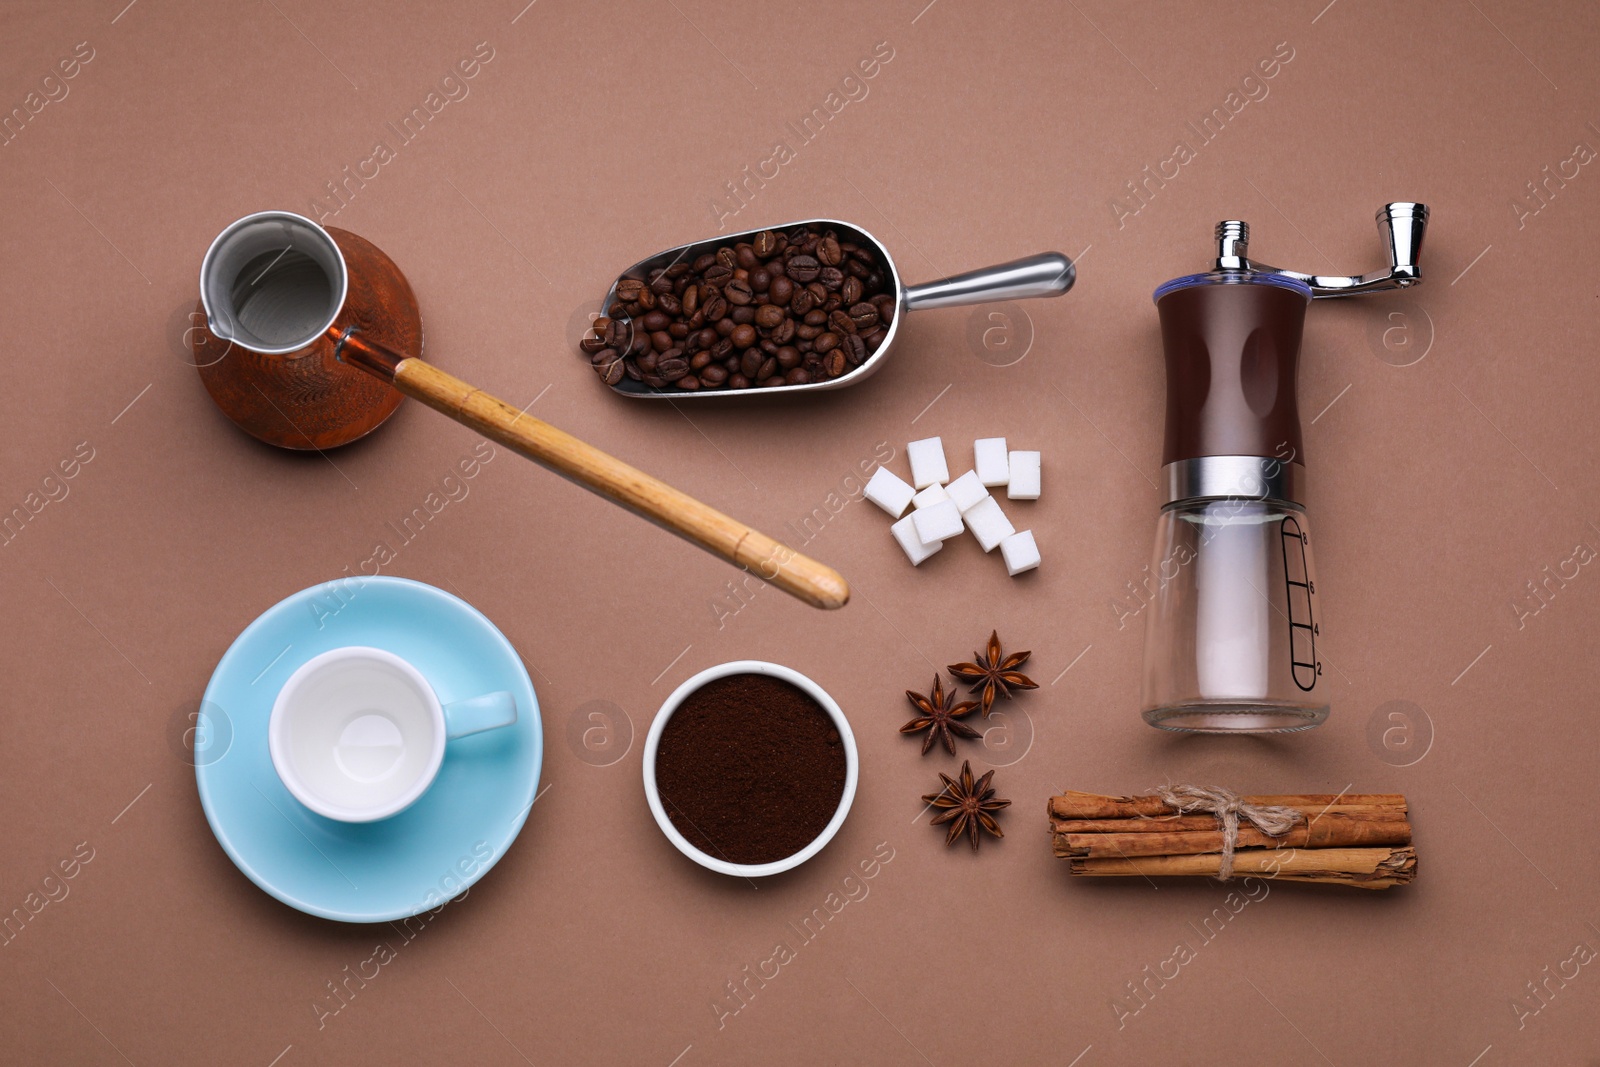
x=750 y=768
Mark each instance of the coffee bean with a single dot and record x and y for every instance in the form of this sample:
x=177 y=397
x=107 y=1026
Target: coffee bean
x=746 y=256
x=802 y=301
x=703 y=263
x=850 y=291
x=719 y=275
x=798 y=376
x=826 y=341
x=688 y=382
x=750 y=363
x=722 y=349
x=765 y=244
x=780 y=290
x=738 y=292
x=834 y=364
x=656 y=320
x=691 y=299
x=713 y=376
x=864 y=315
x=593 y=341
x=743 y=336
x=783 y=332
x=671 y=369
x=661 y=340
x=802 y=268
x=768 y=316
x=855 y=350
x=628 y=289
x=702 y=360
x=831 y=278
x=875 y=338
x=647 y=300
x=768 y=368
x=817 y=317
x=788 y=357
x=738 y=381
x=840 y=321
x=829 y=252
x=727 y=257
x=668 y=302
x=716 y=307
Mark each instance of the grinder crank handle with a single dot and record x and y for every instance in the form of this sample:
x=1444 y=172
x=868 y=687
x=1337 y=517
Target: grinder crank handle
x=1401 y=226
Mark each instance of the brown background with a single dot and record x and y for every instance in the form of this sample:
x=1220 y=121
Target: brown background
x=598 y=134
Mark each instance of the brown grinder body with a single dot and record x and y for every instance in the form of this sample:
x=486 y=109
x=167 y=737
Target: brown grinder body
x=1232 y=351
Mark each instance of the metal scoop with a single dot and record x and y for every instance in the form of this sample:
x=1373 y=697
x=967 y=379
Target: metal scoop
x=1044 y=274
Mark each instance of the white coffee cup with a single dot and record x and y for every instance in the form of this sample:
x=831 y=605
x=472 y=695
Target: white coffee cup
x=357 y=734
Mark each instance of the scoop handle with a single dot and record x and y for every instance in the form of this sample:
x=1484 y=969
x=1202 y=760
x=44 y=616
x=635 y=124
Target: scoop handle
x=1045 y=274
x=770 y=560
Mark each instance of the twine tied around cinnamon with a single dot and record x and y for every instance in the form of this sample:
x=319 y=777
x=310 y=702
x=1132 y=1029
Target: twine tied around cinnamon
x=1229 y=807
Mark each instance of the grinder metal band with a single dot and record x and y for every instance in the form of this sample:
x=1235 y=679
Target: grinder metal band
x=1234 y=477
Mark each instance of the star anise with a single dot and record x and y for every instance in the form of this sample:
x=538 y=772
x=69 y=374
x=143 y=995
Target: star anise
x=936 y=715
x=967 y=806
x=994 y=672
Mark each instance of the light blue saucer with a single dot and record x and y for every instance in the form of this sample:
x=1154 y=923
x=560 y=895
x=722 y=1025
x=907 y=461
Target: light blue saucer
x=427 y=854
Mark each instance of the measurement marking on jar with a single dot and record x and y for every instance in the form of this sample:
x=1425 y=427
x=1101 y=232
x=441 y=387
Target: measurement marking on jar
x=1302 y=620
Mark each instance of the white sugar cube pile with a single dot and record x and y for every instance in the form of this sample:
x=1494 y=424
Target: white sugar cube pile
x=942 y=508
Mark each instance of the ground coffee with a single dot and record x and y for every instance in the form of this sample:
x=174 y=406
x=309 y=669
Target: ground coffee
x=750 y=769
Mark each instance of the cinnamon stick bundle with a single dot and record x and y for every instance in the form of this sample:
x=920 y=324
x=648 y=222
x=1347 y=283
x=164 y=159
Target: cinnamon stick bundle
x=1361 y=840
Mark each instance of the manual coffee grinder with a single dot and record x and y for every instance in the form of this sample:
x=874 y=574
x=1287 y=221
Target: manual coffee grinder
x=1231 y=636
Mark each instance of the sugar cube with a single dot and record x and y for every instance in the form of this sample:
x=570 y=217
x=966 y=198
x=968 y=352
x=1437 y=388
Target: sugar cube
x=927 y=462
x=966 y=490
x=888 y=491
x=939 y=521
x=987 y=522
x=1020 y=551
x=915 y=548
x=989 y=460
x=1024 y=483
x=929 y=497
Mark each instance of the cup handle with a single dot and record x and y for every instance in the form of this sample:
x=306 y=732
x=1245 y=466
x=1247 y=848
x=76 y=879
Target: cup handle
x=477 y=714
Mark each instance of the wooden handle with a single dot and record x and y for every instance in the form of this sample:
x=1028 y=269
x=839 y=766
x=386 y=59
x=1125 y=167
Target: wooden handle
x=769 y=560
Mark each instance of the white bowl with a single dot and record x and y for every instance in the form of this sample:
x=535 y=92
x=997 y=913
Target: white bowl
x=652 y=741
